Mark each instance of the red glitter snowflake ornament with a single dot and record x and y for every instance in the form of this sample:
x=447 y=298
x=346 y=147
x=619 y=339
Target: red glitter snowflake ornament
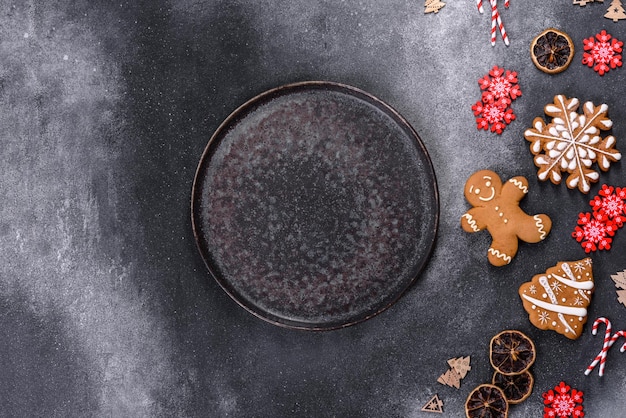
x=493 y=110
x=610 y=204
x=493 y=116
x=603 y=52
x=595 y=234
x=499 y=84
x=563 y=402
x=609 y=214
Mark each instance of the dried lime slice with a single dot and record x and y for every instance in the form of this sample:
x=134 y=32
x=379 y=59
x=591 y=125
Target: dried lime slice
x=552 y=51
x=516 y=387
x=486 y=401
x=511 y=352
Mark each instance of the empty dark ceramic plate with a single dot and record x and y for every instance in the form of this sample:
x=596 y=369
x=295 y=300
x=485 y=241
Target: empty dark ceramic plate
x=315 y=205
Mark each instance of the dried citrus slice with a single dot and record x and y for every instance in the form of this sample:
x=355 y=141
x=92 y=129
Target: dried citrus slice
x=552 y=51
x=486 y=401
x=511 y=352
x=516 y=387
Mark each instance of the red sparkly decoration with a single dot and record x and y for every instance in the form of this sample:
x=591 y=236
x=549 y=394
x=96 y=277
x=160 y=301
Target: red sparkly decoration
x=563 y=402
x=594 y=230
x=602 y=52
x=493 y=110
x=611 y=204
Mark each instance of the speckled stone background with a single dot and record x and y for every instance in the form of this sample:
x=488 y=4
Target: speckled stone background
x=106 y=308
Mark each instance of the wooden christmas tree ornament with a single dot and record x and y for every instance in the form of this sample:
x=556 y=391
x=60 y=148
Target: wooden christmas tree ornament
x=616 y=11
x=450 y=378
x=434 y=405
x=461 y=365
x=584 y=2
x=620 y=283
x=433 y=6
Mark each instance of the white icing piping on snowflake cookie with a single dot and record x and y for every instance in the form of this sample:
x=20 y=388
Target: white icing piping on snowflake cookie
x=498 y=254
x=471 y=222
x=572 y=125
x=586 y=185
x=610 y=140
x=539 y=225
x=519 y=185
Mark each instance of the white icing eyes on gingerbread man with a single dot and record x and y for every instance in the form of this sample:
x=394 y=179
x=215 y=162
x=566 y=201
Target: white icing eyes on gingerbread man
x=482 y=188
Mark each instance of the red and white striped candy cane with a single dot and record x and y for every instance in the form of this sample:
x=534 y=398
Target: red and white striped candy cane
x=616 y=336
x=505 y=37
x=494 y=17
x=479 y=4
x=601 y=357
x=506 y=3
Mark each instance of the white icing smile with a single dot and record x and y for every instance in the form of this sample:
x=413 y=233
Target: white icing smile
x=487 y=184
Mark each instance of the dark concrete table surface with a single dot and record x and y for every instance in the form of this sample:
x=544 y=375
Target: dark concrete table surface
x=106 y=307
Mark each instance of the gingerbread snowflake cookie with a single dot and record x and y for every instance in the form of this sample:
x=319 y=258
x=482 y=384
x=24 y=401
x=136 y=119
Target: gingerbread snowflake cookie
x=496 y=208
x=558 y=299
x=571 y=143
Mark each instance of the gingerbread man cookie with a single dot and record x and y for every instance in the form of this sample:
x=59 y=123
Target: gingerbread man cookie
x=496 y=208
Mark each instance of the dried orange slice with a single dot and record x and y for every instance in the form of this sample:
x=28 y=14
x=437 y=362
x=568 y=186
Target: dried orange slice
x=511 y=352
x=552 y=51
x=486 y=401
x=516 y=387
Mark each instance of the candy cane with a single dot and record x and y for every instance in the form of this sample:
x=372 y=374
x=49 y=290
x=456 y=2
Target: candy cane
x=495 y=18
x=505 y=37
x=506 y=3
x=479 y=4
x=494 y=15
x=601 y=357
x=615 y=337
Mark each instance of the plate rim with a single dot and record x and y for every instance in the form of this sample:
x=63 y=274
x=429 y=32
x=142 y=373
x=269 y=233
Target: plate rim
x=265 y=96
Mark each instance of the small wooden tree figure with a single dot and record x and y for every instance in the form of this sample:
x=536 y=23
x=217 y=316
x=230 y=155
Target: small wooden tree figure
x=461 y=365
x=620 y=283
x=433 y=405
x=450 y=378
x=584 y=2
x=615 y=11
x=433 y=6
